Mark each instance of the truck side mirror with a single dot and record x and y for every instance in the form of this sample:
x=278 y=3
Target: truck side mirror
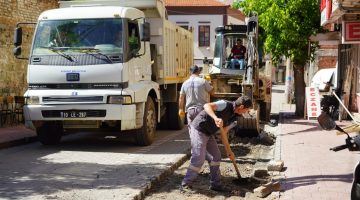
x=145 y=31
x=17 y=51
x=18 y=36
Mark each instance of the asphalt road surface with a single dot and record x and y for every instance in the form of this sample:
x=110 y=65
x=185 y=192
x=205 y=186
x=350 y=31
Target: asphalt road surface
x=88 y=166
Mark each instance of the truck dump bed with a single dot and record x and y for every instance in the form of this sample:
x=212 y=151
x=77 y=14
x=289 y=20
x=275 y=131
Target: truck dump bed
x=172 y=45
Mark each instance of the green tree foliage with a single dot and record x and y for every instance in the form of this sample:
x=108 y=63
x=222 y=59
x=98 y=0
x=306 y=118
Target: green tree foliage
x=288 y=24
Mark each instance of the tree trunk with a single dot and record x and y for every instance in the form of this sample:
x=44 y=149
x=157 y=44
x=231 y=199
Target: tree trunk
x=289 y=81
x=299 y=89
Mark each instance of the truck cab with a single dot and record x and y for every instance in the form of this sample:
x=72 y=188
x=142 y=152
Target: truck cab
x=104 y=64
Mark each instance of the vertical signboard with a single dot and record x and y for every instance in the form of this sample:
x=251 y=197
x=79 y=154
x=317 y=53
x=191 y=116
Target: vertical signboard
x=312 y=102
x=325 y=9
x=350 y=32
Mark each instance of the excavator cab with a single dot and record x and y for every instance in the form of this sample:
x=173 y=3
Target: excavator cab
x=224 y=61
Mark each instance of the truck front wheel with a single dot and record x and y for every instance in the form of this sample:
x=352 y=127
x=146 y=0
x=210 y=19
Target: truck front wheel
x=146 y=135
x=50 y=133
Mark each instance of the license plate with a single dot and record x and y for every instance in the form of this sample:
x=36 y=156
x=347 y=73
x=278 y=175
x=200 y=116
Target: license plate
x=73 y=114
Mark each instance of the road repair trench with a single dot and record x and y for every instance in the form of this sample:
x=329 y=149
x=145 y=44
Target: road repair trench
x=253 y=156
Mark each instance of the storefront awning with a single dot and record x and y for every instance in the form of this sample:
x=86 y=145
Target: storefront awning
x=323 y=78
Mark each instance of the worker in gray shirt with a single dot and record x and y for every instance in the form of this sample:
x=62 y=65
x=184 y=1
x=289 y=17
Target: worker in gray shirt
x=195 y=93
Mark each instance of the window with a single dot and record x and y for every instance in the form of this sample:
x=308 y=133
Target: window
x=77 y=34
x=204 y=36
x=134 y=41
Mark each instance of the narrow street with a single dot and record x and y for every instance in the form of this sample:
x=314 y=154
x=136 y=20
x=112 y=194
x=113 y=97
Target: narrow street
x=87 y=166
x=92 y=166
x=69 y=67
x=96 y=166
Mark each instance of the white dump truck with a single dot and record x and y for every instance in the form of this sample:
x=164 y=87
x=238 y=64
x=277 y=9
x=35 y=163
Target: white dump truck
x=105 y=64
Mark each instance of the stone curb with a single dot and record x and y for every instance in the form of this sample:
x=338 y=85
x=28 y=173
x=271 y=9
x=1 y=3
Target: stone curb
x=164 y=174
x=17 y=142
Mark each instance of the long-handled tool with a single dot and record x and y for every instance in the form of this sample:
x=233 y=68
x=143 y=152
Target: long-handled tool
x=236 y=169
x=233 y=160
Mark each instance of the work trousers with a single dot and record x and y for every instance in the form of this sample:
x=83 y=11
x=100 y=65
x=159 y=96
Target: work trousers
x=202 y=144
x=191 y=114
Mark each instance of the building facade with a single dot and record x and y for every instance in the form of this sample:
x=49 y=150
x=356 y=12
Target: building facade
x=342 y=19
x=12 y=70
x=202 y=17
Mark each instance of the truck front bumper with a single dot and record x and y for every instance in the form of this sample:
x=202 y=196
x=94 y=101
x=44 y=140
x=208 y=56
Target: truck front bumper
x=99 y=112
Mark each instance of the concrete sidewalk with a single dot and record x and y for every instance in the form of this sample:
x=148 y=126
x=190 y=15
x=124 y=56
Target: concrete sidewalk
x=15 y=135
x=312 y=171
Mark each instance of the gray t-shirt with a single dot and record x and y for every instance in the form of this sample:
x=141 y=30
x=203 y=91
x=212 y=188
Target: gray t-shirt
x=196 y=90
x=221 y=105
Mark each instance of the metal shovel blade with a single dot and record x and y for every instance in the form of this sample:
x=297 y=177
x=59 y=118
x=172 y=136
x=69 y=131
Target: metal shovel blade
x=326 y=122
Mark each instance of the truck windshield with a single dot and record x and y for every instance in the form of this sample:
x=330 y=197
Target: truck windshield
x=77 y=36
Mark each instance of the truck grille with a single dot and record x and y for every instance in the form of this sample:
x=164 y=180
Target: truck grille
x=54 y=100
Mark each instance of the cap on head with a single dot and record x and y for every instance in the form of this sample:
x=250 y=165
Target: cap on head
x=195 y=69
x=243 y=100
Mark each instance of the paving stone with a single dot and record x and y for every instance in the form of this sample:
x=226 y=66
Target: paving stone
x=260 y=172
x=266 y=189
x=275 y=165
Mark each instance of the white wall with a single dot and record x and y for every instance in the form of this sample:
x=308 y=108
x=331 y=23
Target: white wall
x=232 y=20
x=193 y=21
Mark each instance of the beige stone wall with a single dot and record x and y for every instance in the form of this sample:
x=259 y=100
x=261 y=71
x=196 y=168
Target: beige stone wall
x=12 y=70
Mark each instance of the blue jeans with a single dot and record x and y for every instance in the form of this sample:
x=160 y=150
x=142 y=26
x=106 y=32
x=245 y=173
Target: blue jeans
x=240 y=61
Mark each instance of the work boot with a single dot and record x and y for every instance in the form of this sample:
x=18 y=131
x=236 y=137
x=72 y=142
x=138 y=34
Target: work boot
x=219 y=188
x=186 y=189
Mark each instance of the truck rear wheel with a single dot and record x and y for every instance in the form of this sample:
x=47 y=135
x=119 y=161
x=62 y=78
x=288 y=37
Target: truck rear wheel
x=50 y=133
x=175 y=122
x=146 y=135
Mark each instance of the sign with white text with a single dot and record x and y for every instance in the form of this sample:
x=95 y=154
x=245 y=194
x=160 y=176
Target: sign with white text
x=312 y=102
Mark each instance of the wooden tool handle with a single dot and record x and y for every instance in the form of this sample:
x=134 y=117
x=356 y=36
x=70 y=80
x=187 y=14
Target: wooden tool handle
x=236 y=169
x=233 y=161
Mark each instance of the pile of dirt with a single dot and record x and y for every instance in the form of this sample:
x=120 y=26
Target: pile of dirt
x=263 y=138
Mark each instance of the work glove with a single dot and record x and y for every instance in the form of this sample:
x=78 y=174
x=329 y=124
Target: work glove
x=181 y=114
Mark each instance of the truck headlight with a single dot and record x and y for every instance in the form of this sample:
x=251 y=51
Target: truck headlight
x=117 y=99
x=32 y=100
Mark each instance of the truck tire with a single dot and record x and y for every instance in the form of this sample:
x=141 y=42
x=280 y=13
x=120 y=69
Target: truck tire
x=146 y=135
x=175 y=122
x=50 y=133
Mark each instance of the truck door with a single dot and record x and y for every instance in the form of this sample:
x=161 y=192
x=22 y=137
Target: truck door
x=138 y=62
